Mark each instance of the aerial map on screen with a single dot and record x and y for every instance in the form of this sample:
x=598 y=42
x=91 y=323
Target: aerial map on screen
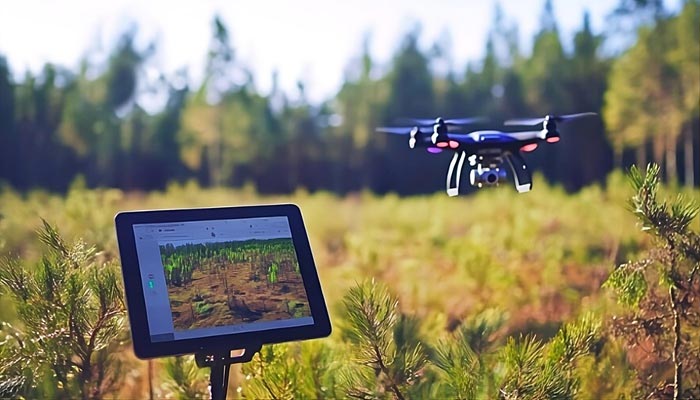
x=219 y=283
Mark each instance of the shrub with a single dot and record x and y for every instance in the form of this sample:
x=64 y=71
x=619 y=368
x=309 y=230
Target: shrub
x=70 y=312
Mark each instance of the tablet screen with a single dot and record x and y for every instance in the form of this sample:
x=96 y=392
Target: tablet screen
x=215 y=277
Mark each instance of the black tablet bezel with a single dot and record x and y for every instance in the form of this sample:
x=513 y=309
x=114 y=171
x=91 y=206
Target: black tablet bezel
x=144 y=348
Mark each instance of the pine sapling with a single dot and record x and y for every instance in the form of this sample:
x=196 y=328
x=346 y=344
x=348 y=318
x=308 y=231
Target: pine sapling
x=389 y=356
x=662 y=291
x=71 y=314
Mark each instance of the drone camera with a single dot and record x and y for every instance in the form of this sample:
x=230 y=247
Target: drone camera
x=486 y=176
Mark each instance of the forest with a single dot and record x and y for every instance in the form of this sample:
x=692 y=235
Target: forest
x=59 y=123
x=587 y=287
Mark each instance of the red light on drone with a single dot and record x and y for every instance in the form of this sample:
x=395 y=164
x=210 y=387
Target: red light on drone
x=442 y=144
x=454 y=144
x=553 y=139
x=529 y=147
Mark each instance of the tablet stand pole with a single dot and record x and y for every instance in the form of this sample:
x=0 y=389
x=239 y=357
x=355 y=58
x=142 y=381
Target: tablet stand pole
x=219 y=361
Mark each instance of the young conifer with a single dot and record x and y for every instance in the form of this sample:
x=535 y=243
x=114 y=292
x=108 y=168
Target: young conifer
x=71 y=312
x=389 y=356
x=184 y=379
x=537 y=370
x=662 y=293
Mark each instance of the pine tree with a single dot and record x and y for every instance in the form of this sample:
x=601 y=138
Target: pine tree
x=184 y=379
x=662 y=291
x=390 y=356
x=71 y=313
x=537 y=370
x=306 y=370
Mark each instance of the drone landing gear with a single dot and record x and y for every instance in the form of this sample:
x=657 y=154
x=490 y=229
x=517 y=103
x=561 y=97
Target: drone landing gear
x=521 y=175
x=487 y=170
x=220 y=364
x=453 y=190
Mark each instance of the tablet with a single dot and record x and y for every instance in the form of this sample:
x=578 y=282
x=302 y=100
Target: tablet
x=216 y=279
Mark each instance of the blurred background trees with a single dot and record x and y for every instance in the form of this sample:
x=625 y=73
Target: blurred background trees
x=96 y=121
x=654 y=94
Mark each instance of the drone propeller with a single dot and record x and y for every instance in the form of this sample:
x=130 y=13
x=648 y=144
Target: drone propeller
x=451 y=121
x=555 y=118
x=397 y=130
x=414 y=132
x=460 y=136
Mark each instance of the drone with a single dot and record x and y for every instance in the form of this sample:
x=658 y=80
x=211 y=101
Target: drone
x=486 y=150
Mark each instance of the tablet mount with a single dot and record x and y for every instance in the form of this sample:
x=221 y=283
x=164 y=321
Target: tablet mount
x=219 y=361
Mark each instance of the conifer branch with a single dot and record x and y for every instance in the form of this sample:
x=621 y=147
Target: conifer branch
x=371 y=325
x=69 y=322
x=663 y=318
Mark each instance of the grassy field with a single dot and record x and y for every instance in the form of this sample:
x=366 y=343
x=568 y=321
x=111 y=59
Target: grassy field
x=537 y=259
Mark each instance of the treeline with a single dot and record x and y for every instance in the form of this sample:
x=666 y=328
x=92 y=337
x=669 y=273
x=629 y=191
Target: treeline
x=117 y=125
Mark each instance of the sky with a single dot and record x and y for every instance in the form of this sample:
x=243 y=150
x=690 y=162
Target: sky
x=308 y=40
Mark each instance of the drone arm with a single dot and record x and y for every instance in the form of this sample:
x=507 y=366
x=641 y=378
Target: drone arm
x=521 y=174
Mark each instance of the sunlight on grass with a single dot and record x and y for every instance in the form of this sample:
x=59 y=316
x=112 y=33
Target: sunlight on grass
x=537 y=258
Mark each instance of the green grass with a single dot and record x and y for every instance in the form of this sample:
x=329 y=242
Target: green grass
x=536 y=259
x=452 y=256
